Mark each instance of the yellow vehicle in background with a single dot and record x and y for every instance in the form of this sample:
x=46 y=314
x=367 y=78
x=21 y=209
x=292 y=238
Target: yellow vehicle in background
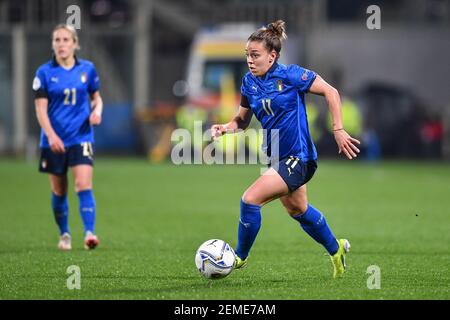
x=215 y=69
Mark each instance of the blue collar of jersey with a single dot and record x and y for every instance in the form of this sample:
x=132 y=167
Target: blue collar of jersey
x=272 y=69
x=55 y=63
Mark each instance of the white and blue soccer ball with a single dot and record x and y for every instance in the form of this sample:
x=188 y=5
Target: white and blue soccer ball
x=215 y=259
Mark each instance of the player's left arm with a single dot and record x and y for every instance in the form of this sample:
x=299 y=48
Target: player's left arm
x=97 y=108
x=345 y=142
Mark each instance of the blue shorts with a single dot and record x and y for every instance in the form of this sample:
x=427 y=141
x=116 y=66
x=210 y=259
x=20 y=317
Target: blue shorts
x=295 y=172
x=58 y=163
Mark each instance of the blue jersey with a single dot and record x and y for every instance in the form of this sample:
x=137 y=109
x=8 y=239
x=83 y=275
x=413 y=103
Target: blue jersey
x=68 y=92
x=278 y=102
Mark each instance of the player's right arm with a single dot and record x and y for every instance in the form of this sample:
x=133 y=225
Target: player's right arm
x=56 y=144
x=239 y=122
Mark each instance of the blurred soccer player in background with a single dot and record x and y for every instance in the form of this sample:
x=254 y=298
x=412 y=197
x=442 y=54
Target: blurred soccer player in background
x=68 y=104
x=275 y=93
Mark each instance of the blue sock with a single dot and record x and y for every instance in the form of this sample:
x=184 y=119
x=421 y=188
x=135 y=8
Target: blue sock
x=249 y=224
x=87 y=209
x=314 y=223
x=61 y=212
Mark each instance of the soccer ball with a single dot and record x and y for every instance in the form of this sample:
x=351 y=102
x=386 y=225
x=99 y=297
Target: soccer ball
x=215 y=259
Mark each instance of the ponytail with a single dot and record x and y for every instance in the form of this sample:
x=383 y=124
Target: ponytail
x=272 y=35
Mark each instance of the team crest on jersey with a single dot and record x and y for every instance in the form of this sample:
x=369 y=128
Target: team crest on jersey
x=36 y=84
x=84 y=77
x=279 y=85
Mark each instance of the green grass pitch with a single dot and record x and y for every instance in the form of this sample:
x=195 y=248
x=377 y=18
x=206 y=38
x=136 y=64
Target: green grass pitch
x=152 y=218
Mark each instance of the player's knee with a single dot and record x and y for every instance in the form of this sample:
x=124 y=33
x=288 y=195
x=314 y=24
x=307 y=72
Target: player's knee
x=297 y=209
x=58 y=186
x=82 y=185
x=250 y=198
x=59 y=190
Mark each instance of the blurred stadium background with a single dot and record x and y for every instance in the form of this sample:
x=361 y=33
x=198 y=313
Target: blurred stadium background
x=163 y=64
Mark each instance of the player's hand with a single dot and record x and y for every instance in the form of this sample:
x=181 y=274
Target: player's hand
x=56 y=144
x=218 y=130
x=95 y=119
x=346 y=144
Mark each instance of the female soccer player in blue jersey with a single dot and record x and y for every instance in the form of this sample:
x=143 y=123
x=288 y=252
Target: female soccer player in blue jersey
x=275 y=94
x=68 y=104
